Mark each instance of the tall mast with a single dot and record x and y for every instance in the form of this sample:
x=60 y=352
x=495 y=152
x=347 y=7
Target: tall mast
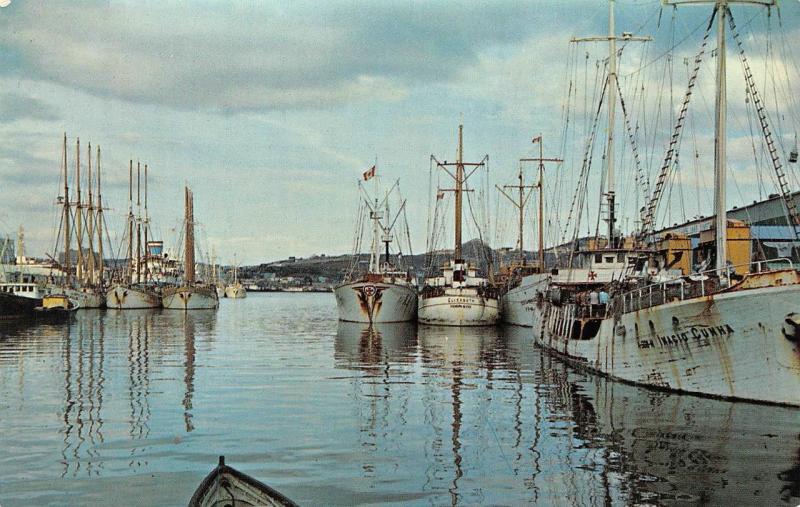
x=146 y=227
x=720 y=159
x=611 y=84
x=458 y=191
x=519 y=204
x=541 y=159
x=188 y=268
x=374 y=256
x=612 y=108
x=90 y=222
x=130 y=221
x=78 y=212
x=720 y=121
x=67 y=260
x=138 y=223
x=99 y=225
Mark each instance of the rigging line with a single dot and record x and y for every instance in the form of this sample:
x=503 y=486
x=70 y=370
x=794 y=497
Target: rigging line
x=665 y=53
x=639 y=175
x=652 y=207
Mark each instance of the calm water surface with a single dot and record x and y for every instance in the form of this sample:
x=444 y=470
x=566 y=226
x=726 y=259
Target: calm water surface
x=134 y=407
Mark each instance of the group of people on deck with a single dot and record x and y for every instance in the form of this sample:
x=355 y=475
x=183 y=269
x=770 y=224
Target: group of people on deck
x=596 y=301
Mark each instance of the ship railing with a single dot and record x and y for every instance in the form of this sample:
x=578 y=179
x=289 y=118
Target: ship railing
x=692 y=286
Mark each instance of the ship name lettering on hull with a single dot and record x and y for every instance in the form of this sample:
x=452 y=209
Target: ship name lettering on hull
x=700 y=335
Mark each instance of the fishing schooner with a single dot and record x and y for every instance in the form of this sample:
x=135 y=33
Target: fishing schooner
x=235 y=290
x=386 y=292
x=191 y=294
x=135 y=288
x=731 y=331
x=521 y=281
x=85 y=288
x=458 y=296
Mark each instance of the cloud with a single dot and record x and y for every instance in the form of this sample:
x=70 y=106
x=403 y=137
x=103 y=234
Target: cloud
x=14 y=106
x=252 y=57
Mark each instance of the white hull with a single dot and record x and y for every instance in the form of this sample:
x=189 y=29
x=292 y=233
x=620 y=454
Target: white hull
x=190 y=298
x=741 y=344
x=458 y=307
x=123 y=297
x=376 y=302
x=517 y=306
x=235 y=292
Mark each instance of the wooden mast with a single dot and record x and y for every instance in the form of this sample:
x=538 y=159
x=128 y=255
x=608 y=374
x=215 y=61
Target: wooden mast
x=130 y=222
x=458 y=191
x=90 y=222
x=78 y=212
x=67 y=232
x=99 y=225
x=520 y=205
x=146 y=227
x=188 y=268
x=541 y=159
x=138 y=223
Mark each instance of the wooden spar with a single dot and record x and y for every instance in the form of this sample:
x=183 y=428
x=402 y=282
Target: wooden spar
x=78 y=212
x=541 y=159
x=188 y=268
x=99 y=225
x=130 y=221
x=458 y=192
x=146 y=227
x=520 y=205
x=138 y=224
x=612 y=39
x=67 y=260
x=90 y=222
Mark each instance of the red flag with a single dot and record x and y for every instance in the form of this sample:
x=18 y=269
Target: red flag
x=439 y=195
x=369 y=173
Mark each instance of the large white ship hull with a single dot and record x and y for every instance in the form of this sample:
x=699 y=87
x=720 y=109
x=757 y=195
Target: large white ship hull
x=458 y=307
x=190 y=298
x=376 y=302
x=740 y=344
x=517 y=306
x=123 y=297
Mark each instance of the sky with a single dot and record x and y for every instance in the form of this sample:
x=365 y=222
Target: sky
x=271 y=111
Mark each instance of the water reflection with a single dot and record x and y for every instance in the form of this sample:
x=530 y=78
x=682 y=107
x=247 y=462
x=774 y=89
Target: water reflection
x=349 y=414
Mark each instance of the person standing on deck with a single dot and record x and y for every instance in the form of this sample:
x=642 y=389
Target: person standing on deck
x=603 y=298
x=594 y=301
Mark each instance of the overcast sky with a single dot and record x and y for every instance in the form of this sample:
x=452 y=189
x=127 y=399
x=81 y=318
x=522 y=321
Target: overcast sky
x=270 y=111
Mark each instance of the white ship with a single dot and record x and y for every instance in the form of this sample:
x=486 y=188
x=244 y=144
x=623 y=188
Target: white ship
x=135 y=288
x=731 y=332
x=385 y=293
x=522 y=281
x=191 y=294
x=458 y=296
x=235 y=290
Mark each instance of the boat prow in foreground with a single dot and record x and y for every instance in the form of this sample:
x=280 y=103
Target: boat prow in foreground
x=227 y=486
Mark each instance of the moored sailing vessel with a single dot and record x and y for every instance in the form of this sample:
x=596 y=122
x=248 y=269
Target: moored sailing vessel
x=134 y=289
x=458 y=296
x=732 y=331
x=190 y=295
x=522 y=281
x=385 y=293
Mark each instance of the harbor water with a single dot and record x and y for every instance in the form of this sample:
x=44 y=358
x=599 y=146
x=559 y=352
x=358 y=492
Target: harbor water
x=134 y=408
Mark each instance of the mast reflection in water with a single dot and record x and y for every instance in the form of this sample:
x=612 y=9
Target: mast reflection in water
x=139 y=404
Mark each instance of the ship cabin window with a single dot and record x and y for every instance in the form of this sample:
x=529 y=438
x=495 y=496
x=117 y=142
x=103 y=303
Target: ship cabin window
x=598 y=258
x=609 y=259
x=620 y=257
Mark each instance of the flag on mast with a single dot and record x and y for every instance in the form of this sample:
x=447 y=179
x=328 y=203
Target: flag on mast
x=537 y=139
x=369 y=173
x=440 y=195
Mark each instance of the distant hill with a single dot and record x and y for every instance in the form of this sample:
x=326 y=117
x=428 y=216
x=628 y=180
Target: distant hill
x=334 y=268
